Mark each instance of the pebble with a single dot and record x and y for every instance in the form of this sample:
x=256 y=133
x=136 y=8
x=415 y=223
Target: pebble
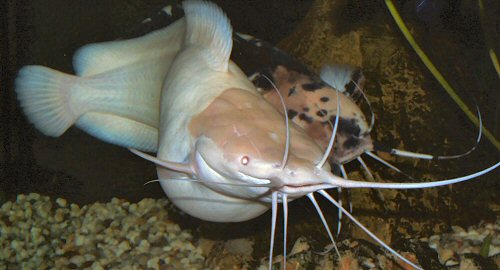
x=77 y=259
x=37 y=234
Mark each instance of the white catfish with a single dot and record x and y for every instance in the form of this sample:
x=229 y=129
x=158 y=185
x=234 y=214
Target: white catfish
x=219 y=162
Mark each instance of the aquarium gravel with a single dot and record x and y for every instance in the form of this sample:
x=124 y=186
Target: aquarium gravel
x=483 y=240
x=38 y=233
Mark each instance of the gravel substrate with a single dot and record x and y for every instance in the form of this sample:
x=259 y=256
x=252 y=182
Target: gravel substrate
x=452 y=248
x=36 y=233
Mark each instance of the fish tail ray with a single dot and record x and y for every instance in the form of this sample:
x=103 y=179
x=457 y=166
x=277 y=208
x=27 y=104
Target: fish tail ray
x=44 y=95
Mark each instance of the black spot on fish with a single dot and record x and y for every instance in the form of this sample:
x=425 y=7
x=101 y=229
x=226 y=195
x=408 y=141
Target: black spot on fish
x=351 y=143
x=324 y=99
x=347 y=126
x=306 y=109
x=292 y=113
x=350 y=88
x=321 y=113
x=313 y=86
x=305 y=117
x=292 y=91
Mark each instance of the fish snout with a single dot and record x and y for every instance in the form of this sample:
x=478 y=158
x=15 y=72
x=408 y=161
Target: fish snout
x=298 y=179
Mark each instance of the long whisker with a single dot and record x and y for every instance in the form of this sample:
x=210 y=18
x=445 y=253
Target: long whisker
x=404 y=153
x=287 y=141
x=369 y=174
x=274 y=211
x=334 y=132
x=363 y=184
x=379 y=159
x=151 y=181
x=269 y=185
x=365 y=167
x=175 y=166
x=344 y=175
x=372 y=117
x=373 y=236
x=325 y=224
x=284 y=199
x=339 y=223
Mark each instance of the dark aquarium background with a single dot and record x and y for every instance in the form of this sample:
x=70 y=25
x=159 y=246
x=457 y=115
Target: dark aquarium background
x=85 y=170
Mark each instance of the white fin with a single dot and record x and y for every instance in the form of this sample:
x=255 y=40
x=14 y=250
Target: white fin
x=337 y=76
x=209 y=28
x=120 y=131
x=97 y=58
x=44 y=97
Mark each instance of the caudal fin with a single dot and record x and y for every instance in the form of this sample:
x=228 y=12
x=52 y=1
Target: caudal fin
x=208 y=27
x=44 y=97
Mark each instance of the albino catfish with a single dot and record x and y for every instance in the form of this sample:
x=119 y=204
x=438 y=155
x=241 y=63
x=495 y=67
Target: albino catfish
x=216 y=160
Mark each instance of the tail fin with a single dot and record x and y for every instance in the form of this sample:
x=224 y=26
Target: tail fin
x=208 y=27
x=44 y=97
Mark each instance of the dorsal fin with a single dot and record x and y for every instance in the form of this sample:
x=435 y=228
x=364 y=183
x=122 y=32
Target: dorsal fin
x=210 y=29
x=97 y=58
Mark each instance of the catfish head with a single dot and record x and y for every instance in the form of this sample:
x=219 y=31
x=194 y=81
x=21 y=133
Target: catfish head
x=242 y=138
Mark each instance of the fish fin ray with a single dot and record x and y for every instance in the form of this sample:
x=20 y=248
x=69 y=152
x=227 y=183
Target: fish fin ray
x=208 y=26
x=44 y=95
x=340 y=76
x=120 y=131
x=336 y=75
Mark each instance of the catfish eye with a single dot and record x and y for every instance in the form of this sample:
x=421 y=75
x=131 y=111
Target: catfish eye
x=245 y=160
